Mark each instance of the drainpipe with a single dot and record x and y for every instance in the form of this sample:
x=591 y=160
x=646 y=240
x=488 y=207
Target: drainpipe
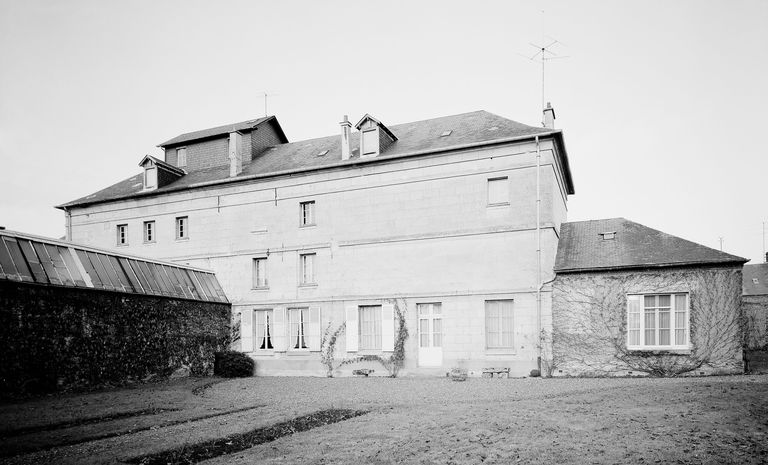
x=538 y=254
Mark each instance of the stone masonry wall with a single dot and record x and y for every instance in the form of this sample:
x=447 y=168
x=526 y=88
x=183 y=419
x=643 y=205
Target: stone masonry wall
x=590 y=322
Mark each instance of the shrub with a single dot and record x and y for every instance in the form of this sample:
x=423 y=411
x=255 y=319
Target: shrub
x=535 y=373
x=231 y=364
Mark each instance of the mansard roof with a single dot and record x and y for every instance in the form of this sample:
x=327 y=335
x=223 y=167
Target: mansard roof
x=618 y=243
x=479 y=128
x=221 y=130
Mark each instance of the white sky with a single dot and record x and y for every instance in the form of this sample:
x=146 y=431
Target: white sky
x=663 y=103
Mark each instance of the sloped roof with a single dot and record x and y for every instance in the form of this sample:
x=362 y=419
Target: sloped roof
x=755 y=279
x=162 y=164
x=416 y=138
x=217 y=131
x=582 y=248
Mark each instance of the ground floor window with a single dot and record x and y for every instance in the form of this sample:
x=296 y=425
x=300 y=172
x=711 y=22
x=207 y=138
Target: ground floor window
x=263 y=329
x=498 y=324
x=298 y=319
x=657 y=321
x=369 y=327
x=430 y=325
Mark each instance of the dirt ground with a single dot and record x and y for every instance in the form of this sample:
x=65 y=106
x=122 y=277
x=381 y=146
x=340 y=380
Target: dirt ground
x=410 y=420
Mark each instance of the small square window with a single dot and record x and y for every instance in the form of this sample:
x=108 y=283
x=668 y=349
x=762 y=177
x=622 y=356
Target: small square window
x=259 y=273
x=149 y=231
x=122 y=234
x=307 y=268
x=181 y=157
x=307 y=211
x=182 y=227
x=498 y=191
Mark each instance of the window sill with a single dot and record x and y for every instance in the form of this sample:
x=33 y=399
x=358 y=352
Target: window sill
x=297 y=353
x=650 y=351
x=121 y=245
x=260 y=288
x=509 y=351
x=149 y=242
x=497 y=205
x=264 y=352
x=307 y=285
x=182 y=239
x=307 y=226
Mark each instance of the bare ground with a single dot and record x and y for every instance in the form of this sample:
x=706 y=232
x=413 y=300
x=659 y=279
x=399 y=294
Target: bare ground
x=410 y=420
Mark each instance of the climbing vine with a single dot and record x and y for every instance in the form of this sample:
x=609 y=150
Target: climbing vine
x=328 y=349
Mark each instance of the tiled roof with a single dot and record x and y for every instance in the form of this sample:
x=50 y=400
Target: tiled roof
x=582 y=247
x=420 y=137
x=217 y=131
x=756 y=279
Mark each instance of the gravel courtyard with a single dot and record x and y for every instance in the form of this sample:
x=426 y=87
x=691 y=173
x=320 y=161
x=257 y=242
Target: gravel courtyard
x=409 y=420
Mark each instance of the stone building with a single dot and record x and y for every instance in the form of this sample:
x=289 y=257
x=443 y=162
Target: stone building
x=755 y=303
x=632 y=300
x=454 y=221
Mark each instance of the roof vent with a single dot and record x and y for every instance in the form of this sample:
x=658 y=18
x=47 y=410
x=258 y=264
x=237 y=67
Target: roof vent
x=608 y=235
x=446 y=133
x=755 y=281
x=323 y=153
x=493 y=128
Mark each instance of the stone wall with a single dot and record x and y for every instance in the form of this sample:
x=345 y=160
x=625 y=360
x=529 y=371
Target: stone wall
x=756 y=316
x=55 y=337
x=590 y=322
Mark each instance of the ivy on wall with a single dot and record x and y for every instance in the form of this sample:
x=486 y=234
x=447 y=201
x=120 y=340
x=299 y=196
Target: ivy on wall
x=54 y=338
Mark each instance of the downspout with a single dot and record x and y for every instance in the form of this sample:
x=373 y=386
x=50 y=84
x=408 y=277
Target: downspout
x=538 y=254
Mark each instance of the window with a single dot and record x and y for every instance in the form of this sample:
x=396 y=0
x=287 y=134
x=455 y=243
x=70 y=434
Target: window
x=150 y=177
x=658 y=321
x=498 y=191
x=262 y=330
x=430 y=325
x=370 y=142
x=498 y=324
x=122 y=234
x=259 y=273
x=307 y=268
x=149 y=231
x=369 y=327
x=307 y=211
x=298 y=320
x=181 y=157
x=182 y=230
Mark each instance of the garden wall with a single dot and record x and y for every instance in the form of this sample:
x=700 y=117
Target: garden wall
x=54 y=337
x=590 y=322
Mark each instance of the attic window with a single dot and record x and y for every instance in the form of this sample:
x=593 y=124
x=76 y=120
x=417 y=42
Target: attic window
x=150 y=177
x=446 y=133
x=608 y=236
x=323 y=153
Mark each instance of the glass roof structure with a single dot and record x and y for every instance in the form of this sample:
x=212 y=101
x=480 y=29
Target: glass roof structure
x=33 y=259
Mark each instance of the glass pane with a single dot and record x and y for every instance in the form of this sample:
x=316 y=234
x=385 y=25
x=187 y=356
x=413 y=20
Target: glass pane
x=634 y=337
x=121 y=276
x=6 y=262
x=150 y=277
x=650 y=301
x=198 y=286
x=157 y=278
x=680 y=320
x=423 y=309
x=209 y=290
x=176 y=287
x=664 y=337
x=100 y=271
x=424 y=333
x=665 y=300
x=111 y=272
x=680 y=304
x=663 y=319
x=680 y=337
x=88 y=267
x=135 y=283
x=18 y=259
x=215 y=284
x=650 y=337
x=650 y=327
x=58 y=263
x=74 y=270
x=634 y=321
x=437 y=334
x=34 y=263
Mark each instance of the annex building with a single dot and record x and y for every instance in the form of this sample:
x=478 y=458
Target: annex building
x=455 y=221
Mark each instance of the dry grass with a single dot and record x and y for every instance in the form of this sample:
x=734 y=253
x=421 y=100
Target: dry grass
x=693 y=420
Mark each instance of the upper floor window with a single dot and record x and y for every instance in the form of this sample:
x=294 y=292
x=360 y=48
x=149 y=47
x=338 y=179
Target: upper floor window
x=498 y=324
x=150 y=177
x=657 y=321
x=307 y=268
x=498 y=191
x=149 y=231
x=181 y=157
x=307 y=212
x=182 y=227
x=122 y=234
x=259 y=272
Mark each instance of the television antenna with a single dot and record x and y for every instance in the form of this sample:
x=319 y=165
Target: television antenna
x=266 y=96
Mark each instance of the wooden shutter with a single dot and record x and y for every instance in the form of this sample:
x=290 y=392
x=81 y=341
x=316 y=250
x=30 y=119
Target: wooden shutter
x=351 y=330
x=279 y=340
x=313 y=338
x=387 y=328
x=246 y=330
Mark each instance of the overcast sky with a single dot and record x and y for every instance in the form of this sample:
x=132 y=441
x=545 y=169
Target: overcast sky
x=662 y=103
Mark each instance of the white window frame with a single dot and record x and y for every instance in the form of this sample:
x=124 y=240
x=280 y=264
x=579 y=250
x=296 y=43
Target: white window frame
x=147 y=177
x=182 y=228
x=673 y=326
x=429 y=312
x=298 y=316
x=181 y=162
x=150 y=232
x=500 y=346
x=307 y=213
x=260 y=280
x=504 y=198
x=307 y=269
x=377 y=336
x=267 y=316
x=122 y=234
x=363 y=138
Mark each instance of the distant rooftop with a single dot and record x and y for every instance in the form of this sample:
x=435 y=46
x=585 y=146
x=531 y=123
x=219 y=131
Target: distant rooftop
x=618 y=243
x=50 y=262
x=756 y=279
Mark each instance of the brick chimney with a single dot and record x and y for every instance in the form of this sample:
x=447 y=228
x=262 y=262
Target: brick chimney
x=549 y=117
x=346 y=133
x=235 y=154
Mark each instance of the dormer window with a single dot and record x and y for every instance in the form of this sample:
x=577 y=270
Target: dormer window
x=370 y=142
x=181 y=157
x=374 y=136
x=608 y=235
x=150 y=176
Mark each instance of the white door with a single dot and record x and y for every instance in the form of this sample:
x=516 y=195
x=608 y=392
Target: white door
x=430 y=335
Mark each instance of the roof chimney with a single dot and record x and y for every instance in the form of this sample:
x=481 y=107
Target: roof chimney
x=549 y=116
x=346 y=132
x=235 y=154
